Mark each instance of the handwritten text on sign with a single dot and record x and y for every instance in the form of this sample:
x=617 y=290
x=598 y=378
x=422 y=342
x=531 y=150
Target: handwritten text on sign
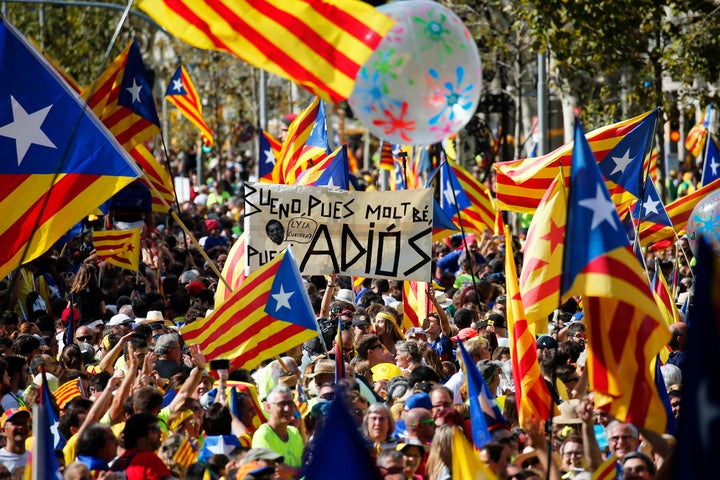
x=367 y=234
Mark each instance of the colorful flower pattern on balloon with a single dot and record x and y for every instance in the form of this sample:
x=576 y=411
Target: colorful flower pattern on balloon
x=422 y=83
x=397 y=125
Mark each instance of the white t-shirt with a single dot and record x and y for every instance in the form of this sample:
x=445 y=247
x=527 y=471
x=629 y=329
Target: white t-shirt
x=15 y=463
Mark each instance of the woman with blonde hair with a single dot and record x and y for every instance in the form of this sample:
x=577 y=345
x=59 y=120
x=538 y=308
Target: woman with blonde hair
x=378 y=427
x=439 y=464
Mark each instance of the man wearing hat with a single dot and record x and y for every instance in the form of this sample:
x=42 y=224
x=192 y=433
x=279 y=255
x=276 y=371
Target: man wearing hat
x=15 y=426
x=213 y=238
x=360 y=326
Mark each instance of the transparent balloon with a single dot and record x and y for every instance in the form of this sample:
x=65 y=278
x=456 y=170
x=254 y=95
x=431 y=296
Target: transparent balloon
x=423 y=82
x=705 y=221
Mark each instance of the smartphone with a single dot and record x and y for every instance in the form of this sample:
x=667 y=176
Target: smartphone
x=220 y=364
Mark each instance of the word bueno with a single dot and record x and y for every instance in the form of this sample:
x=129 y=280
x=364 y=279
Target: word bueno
x=315 y=207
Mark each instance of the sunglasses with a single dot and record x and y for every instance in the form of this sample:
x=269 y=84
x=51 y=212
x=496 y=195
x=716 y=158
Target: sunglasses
x=85 y=338
x=328 y=396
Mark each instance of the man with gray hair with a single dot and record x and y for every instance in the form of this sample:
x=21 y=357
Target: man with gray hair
x=169 y=356
x=278 y=435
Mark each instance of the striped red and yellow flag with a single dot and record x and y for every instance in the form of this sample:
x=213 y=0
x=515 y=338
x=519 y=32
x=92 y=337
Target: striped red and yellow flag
x=667 y=306
x=543 y=258
x=480 y=215
x=123 y=100
x=296 y=155
x=163 y=195
x=185 y=455
x=318 y=44
x=233 y=271
x=181 y=92
x=301 y=400
x=608 y=470
x=522 y=183
x=240 y=329
x=679 y=212
x=652 y=159
x=387 y=160
x=529 y=383
x=67 y=392
x=119 y=247
x=696 y=137
x=416 y=304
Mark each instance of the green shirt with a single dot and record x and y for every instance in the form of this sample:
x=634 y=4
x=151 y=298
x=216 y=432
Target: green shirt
x=265 y=437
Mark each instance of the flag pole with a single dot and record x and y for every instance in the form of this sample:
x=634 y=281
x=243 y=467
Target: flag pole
x=462 y=227
x=644 y=180
x=167 y=165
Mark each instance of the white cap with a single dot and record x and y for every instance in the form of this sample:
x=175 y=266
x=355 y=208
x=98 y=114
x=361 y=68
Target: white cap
x=119 y=319
x=345 y=295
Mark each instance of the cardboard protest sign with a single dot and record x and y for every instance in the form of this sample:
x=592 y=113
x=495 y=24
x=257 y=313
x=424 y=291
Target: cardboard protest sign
x=369 y=234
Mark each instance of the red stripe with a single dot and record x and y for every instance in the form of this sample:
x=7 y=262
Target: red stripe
x=19 y=233
x=311 y=37
x=281 y=58
x=599 y=375
x=265 y=345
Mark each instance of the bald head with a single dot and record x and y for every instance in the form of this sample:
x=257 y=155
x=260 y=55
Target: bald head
x=679 y=331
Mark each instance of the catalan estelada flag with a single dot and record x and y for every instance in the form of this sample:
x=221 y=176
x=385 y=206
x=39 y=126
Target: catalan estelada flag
x=416 y=304
x=695 y=139
x=679 y=213
x=270 y=149
x=318 y=44
x=530 y=387
x=119 y=247
x=333 y=171
x=268 y=315
x=60 y=163
x=543 y=256
x=522 y=183
x=462 y=196
x=185 y=455
x=163 y=193
x=233 y=271
x=608 y=470
x=181 y=93
x=67 y=391
x=625 y=329
x=305 y=144
x=122 y=99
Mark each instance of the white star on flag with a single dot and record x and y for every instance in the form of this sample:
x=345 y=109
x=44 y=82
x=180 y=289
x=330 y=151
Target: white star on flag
x=282 y=298
x=447 y=193
x=26 y=129
x=621 y=163
x=177 y=85
x=135 y=91
x=651 y=205
x=269 y=157
x=714 y=165
x=602 y=208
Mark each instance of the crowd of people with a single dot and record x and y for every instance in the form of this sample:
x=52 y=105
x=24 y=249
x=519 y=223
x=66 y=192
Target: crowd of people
x=131 y=396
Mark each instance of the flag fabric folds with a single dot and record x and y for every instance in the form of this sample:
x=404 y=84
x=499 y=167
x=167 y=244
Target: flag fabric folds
x=416 y=303
x=43 y=464
x=544 y=247
x=119 y=247
x=163 y=190
x=181 y=93
x=664 y=397
x=43 y=132
x=122 y=99
x=698 y=436
x=339 y=353
x=529 y=383
x=301 y=400
x=338 y=447
x=233 y=272
x=471 y=198
x=333 y=171
x=185 y=455
x=67 y=392
x=522 y=183
x=53 y=419
x=484 y=411
x=711 y=165
x=695 y=139
x=269 y=314
x=442 y=224
x=270 y=149
x=306 y=142
x=466 y=464
x=318 y=44
x=665 y=302
x=608 y=470
x=625 y=330
x=678 y=212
